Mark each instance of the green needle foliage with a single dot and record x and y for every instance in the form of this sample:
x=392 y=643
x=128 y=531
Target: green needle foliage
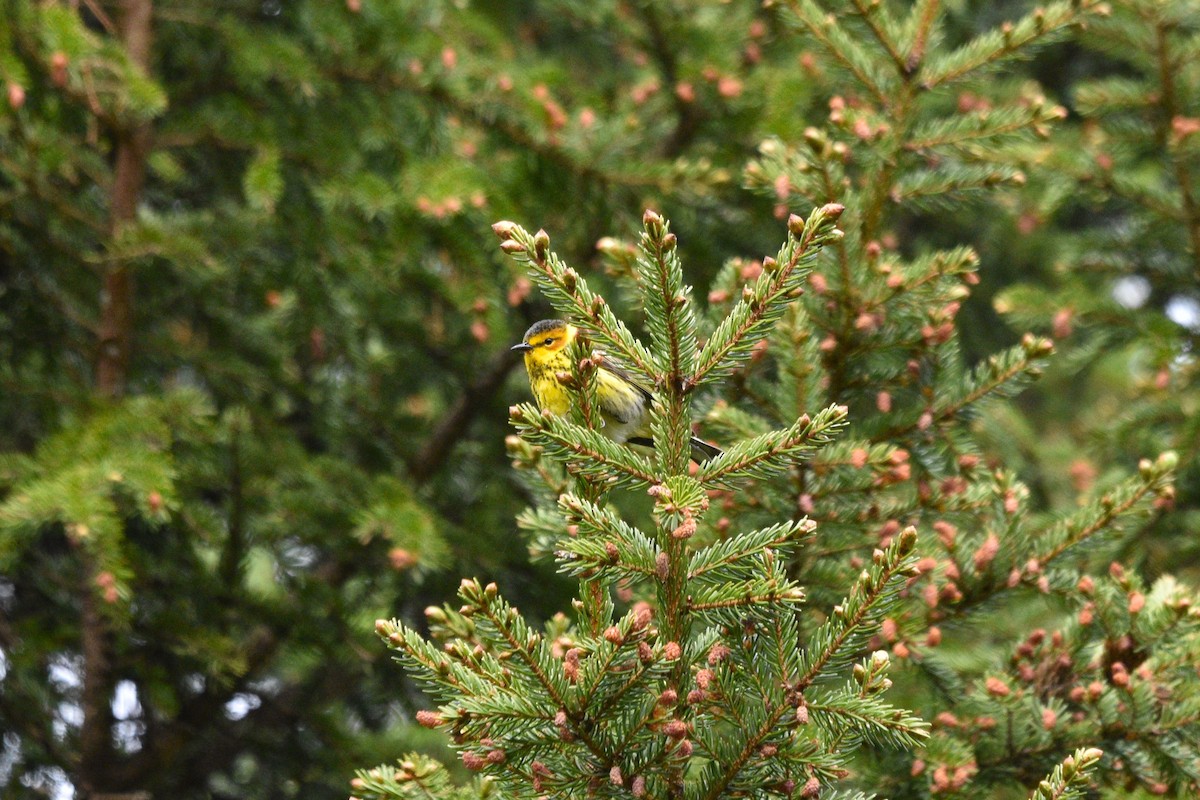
x=725 y=676
x=254 y=366
x=1116 y=212
x=1037 y=664
x=710 y=686
x=1009 y=645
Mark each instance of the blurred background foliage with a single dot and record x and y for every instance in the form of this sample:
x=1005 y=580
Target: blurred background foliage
x=254 y=332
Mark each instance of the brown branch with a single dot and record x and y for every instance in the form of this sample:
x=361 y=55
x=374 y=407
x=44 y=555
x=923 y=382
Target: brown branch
x=112 y=365
x=101 y=17
x=453 y=426
x=95 y=740
x=132 y=148
x=917 y=52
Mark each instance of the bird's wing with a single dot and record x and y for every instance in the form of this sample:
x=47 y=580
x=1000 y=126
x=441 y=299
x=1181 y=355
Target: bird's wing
x=624 y=375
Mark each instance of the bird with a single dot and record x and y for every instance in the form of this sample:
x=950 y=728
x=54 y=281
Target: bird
x=624 y=403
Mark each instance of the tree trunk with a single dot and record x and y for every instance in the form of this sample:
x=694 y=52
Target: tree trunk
x=97 y=756
x=132 y=147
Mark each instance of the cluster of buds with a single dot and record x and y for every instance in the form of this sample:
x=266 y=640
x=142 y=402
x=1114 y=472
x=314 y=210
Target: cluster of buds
x=945 y=778
x=871 y=673
x=555 y=115
x=897 y=468
x=107 y=583
x=1043 y=660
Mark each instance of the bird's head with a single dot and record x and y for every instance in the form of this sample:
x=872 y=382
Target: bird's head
x=545 y=341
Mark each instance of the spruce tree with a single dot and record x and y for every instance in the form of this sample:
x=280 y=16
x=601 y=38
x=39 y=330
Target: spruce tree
x=1010 y=635
x=1020 y=648
x=719 y=680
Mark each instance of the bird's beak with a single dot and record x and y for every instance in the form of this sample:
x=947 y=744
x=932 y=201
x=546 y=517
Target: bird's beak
x=521 y=348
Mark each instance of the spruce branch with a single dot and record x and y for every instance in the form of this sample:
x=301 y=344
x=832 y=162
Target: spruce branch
x=1071 y=778
x=853 y=718
x=998 y=374
x=883 y=28
x=942 y=185
x=507 y=629
x=1149 y=194
x=667 y=301
x=861 y=698
x=1113 y=95
x=773 y=452
x=609 y=561
x=538 y=694
x=843 y=47
x=595 y=521
x=964 y=132
x=609 y=655
x=503 y=122
x=875 y=590
x=446 y=678
x=672 y=325
x=602 y=544
x=1012 y=40
x=414 y=777
x=568 y=291
x=60 y=199
x=771 y=590
x=584 y=365
x=582 y=450
x=638 y=676
x=762 y=305
x=1154 y=479
x=861 y=456
x=736 y=557
x=1001 y=375
x=921 y=22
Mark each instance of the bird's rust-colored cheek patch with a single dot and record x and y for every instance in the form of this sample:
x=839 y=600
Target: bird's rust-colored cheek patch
x=560 y=341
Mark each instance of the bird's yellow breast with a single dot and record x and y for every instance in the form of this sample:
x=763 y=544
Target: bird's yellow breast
x=543 y=367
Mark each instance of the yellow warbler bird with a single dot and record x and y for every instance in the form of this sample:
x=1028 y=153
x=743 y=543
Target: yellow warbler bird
x=624 y=404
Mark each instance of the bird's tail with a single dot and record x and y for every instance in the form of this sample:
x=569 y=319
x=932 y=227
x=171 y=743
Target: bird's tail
x=703 y=451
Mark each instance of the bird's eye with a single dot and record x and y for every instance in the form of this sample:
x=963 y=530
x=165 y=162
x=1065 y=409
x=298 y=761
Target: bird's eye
x=549 y=340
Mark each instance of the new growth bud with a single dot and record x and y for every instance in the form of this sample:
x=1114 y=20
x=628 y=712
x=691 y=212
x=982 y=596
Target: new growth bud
x=652 y=221
x=833 y=211
x=541 y=243
x=504 y=229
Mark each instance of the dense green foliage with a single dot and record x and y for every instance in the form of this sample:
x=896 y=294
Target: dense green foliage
x=254 y=370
